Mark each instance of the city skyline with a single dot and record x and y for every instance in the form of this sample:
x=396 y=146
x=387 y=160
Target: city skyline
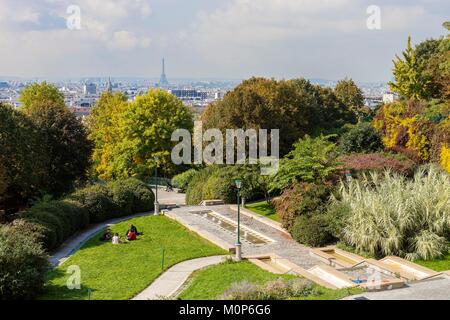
x=203 y=39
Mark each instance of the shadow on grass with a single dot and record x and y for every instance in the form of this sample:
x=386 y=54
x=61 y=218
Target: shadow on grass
x=62 y=292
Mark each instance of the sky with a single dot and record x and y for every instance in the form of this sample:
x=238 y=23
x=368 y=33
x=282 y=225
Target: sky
x=226 y=39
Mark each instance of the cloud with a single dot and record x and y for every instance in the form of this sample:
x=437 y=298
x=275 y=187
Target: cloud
x=127 y=40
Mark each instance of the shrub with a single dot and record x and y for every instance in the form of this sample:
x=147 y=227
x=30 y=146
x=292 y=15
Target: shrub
x=312 y=230
x=391 y=215
x=98 y=201
x=23 y=262
x=279 y=289
x=362 y=138
x=214 y=182
x=182 y=180
x=61 y=219
x=360 y=163
x=123 y=196
x=302 y=199
x=143 y=197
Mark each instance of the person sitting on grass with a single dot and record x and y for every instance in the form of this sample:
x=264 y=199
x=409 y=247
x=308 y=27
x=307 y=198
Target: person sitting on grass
x=133 y=229
x=116 y=239
x=107 y=235
x=132 y=235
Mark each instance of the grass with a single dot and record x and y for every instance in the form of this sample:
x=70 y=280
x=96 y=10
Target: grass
x=436 y=265
x=122 y=271
x=211 y=282
x=264 y=209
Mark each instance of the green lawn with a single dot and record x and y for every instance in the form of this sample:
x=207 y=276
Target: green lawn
x=120 y=272
x=436 y=265
x=211 y=282
x=263 y=209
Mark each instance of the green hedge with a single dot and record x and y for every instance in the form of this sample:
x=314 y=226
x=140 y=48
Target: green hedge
x=218 y=182
x=182 y=180
x=312 y=230
x=23 y=261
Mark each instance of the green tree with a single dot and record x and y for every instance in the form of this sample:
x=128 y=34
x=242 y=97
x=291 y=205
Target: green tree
x=144 y=130
x=410 y=80
x=313 y=159
x=36 y=94
x=65 y=144
x=295 y=107
x=361 y=138
x=103 y=130
x=349 y=93
x=21 y=162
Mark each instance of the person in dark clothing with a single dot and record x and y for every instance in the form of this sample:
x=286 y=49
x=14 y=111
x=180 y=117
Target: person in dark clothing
x=132 y=229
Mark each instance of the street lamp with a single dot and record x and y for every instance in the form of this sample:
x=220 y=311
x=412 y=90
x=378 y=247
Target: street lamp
x=238 y=240
x=156 y=183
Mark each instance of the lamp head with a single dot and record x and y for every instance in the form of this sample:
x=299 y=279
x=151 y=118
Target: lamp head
x=238 y=183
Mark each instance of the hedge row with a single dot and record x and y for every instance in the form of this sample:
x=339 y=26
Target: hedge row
x=218 y=182
x=93 y=204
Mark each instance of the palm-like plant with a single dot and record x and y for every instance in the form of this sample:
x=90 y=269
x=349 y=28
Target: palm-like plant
x=391 y=215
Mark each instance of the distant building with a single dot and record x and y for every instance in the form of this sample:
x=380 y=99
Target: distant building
x=109 y=86
x=189 y=94
x=163 y=82
x=90 y=89
x=4 y=85
x=390 y=97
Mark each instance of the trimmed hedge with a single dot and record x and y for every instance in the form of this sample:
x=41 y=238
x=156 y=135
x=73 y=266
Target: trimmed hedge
x=312 y=230
x=98 y=201
x=23 y=261
x=182 y=180
x=218 y=182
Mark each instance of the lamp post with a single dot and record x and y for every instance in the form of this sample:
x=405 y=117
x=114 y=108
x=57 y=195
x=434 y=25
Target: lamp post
x=238 y=240
x=156 y=184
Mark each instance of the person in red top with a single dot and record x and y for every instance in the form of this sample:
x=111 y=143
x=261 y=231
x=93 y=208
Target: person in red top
x=131 y=235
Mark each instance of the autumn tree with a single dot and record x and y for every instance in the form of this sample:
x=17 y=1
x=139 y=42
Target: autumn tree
x=410 y=80
x=142 y=129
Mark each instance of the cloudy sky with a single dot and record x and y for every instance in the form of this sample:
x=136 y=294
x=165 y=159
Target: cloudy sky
x=211 y=38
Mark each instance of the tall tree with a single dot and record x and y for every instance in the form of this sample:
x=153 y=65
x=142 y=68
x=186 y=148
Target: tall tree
x=410 y=80
x=35 y=94
x=144 y=130
x=349 y=93
x=66 y=146
x=21 y=162
x=103 y=130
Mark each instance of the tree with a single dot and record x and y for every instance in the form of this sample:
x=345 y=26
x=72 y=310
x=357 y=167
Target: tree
x=67 y=149
x=313 y=159
x=143 y=130
x=411 y=82
x=103 y=130
x=295 y=107
x=21 y=161
x=36 y=94
x=361 y=138
x=349 y=93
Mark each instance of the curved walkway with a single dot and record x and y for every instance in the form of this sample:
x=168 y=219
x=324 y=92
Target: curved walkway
x=173 y=279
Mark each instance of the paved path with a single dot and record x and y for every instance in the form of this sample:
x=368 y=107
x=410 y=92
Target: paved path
x=173 y=279
x=283 y=246
x=438 y=289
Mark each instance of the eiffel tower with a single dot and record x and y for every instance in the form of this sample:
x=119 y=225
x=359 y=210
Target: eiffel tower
x=163 y=79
